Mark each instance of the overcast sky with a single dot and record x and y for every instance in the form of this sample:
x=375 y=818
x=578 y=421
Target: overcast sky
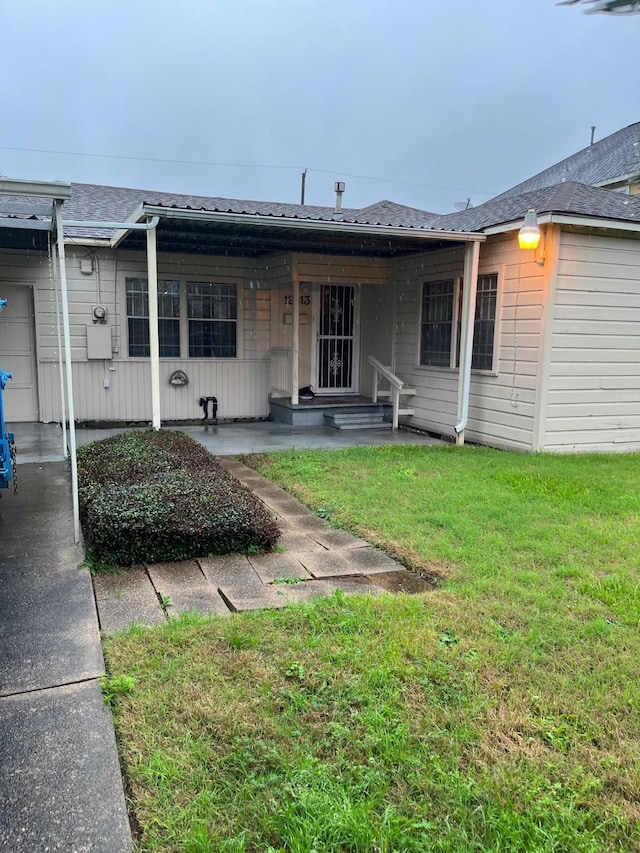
x=423 y=102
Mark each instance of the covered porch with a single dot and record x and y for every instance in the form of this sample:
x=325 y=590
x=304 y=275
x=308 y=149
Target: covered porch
x=332 y=295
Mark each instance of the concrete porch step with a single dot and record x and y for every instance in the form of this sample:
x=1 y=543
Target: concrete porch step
x=352 y=420
x=406 y=392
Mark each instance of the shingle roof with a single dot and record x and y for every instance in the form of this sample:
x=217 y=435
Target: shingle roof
x=97 y=202
x=570 y=198
x=614 y=157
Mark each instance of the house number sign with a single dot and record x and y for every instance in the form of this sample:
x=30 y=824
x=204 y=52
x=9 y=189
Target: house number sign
x=305 y=299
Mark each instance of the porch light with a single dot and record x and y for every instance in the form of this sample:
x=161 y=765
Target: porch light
x=529 y=234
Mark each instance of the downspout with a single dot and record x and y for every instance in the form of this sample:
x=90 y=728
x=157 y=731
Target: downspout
x=469 y=288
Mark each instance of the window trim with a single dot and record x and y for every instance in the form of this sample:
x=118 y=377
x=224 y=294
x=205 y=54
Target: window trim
x=453 y=367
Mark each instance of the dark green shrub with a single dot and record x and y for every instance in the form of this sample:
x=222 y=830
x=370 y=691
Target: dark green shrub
x=148 y=497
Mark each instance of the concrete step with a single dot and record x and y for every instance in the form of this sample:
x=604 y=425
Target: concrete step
x=359 y=420
x=406 y=392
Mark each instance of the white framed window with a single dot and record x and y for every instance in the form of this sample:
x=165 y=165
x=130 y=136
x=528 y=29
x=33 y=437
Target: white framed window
x=212 y=313
x=441 y=323
x=138 y=317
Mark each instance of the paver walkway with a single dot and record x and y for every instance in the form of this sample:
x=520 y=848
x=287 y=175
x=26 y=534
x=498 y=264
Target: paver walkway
x=317 y=561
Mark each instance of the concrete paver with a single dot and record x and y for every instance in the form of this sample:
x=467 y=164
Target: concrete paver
x=328 y=564
x=271 y=567
x=239 y=599
x=126 y=598
x=370 y=560
x=295 y=541
x=233 y=570
x=338 y=539
x=184 y=588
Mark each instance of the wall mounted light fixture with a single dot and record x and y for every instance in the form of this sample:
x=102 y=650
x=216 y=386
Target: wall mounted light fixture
x=529 y=234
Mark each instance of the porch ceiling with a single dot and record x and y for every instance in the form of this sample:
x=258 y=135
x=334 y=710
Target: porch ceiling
x=261 y=239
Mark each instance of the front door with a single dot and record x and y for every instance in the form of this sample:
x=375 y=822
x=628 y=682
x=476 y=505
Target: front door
x=337 y=350
x=17 y=353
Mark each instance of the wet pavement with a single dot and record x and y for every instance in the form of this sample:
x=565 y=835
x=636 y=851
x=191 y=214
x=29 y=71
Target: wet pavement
x=60 y=786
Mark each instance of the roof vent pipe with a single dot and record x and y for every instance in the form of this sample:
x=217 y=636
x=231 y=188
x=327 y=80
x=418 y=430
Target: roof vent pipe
x=339 y=189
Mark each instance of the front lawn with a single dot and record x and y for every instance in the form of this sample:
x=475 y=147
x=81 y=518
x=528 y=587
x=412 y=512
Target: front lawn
x=499 y=712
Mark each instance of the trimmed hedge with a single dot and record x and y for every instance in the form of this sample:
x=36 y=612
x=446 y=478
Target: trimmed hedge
x=154 y=496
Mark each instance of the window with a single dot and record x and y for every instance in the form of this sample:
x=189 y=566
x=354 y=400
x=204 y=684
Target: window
x=485 y=324
x=168 y=317
x=442 y=315
x=212 y=311
x=437 y=322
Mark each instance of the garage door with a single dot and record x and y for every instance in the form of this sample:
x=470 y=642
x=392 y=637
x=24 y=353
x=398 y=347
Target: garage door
x=17 y=353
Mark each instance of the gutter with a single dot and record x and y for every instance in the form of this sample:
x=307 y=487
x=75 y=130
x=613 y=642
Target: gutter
x=567 y=219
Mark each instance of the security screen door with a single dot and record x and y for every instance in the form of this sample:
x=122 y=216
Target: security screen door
x=337 y=351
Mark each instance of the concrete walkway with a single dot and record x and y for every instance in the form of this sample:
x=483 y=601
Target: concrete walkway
x=60 y=783
x=315 y=561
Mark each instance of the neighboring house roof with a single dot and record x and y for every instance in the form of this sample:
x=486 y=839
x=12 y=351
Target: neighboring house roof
x=614 y=158
x=569 y=198
x=97 y=202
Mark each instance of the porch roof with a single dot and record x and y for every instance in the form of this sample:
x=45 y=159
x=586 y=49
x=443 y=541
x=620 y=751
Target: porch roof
x=257 y=234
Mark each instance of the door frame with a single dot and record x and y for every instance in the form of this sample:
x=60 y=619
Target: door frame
x=355 y=358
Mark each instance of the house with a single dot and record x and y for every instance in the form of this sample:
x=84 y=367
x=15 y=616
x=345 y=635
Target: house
x=256 y=300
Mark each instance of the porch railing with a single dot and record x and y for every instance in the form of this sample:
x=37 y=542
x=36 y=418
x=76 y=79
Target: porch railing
x=397 y=389
x=281 y=371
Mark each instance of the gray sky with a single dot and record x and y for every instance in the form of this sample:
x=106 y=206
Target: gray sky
x=448 y=98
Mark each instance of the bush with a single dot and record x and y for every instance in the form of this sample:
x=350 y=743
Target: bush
x=147 y=497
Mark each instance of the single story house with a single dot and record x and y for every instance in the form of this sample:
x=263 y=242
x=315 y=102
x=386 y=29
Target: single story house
x=257 y=300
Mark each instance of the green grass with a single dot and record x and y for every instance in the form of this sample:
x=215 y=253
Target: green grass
x=500 y=712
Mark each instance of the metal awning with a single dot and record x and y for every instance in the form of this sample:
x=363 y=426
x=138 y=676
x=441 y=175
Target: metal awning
x=208 y=232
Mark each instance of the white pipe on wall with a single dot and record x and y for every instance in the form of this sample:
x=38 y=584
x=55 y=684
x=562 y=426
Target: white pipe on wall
x=469 y=288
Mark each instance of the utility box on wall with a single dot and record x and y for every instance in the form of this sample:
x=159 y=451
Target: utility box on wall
x=99 y=342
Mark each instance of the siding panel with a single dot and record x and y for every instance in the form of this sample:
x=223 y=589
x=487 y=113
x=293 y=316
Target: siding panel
x=594 y=372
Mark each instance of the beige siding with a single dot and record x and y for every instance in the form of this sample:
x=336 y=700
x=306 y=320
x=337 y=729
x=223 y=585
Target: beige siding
x=593 y=395
x=376 y=330
x=241 y=385
x=502 y=404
